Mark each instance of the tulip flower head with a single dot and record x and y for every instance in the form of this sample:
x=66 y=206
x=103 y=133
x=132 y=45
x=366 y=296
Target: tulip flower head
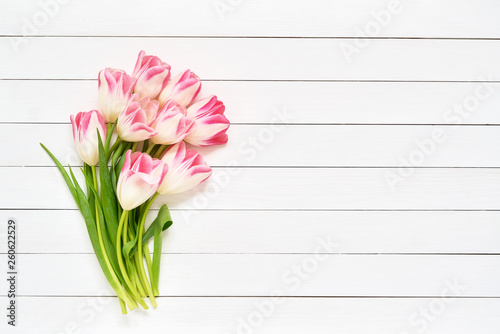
x=171 y=124
x=85 y=126
x=134 y=122
x=182 y=89
x=152 y=75
x=211 y=124
x=139 y=179
x=186 y=170
x=115 y=90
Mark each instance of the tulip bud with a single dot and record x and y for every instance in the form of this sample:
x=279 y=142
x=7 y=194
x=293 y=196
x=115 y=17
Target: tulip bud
x=139 y=179
x=182 y=89
x=134 y=122
x=152 y=75
x=171 y=124
x=85 y=126
x=115 y=90
x=186 y=169
x=211 y=124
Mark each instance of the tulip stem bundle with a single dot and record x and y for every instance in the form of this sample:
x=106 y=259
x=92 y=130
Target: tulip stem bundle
x=122 y=261
x=152 y=119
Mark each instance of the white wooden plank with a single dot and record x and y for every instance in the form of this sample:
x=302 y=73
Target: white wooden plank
x=228 y=315
x=219 y=226
x=287 y=188
x=253 y=18
x=257 y=58
x=260 y=274
x=297 y=145
x=258 y=231
x=290 y=102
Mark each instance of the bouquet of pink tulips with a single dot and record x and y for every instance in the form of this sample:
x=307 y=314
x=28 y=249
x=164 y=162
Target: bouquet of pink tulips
x=154 y=117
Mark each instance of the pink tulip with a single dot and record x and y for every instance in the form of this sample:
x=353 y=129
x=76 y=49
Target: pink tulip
x=152 y=75
x=182 y=89
x=115 y=89
x=171 y=124
x=134 y=122
x=186 y=169
x=211 y=124
x=139 y=179
x=85 y=126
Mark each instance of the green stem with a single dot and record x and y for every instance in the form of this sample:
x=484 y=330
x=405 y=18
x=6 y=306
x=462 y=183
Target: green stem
x=139 y=248
x=119 y=254
x=150 y=147
x=160 y=151
x=140 y=281
x=114 y=147
x=153 y=151
x=118 y=288
x=136 y=279
x=118 y=152
x=111 y=128
x=134 y=147
x=123 y=306
x=149 y=264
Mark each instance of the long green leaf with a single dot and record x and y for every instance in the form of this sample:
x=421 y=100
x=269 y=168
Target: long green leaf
x=163 y=221
x=65 y=175
x=110 y=250
x=87 y=172
x=108 y=197
x=92 y=230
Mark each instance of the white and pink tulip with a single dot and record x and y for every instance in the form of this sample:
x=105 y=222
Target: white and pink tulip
x=171 y=124
x=152 y=75
x=182 y=89
x=139 y=179
x=85 y=126
x=186 y=169
x=134 y=122
x=115 y=90
x=211 y=124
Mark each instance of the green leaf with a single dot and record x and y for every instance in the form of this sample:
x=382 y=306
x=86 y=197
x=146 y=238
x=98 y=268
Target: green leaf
x=108 y=197
x=163 y=218
x=87 y=172
x=65 y=176
x=162 y=222
x=84 y=207
x=92 y=230
x=120 y=163
x=129 y=245
x=108 y=245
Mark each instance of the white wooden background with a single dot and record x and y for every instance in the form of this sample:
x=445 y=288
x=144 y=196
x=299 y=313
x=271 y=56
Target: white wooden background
x=315 y=137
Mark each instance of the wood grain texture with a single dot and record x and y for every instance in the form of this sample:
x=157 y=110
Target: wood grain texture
x=293 y=315
x=258 y=58
x=293 y=274
x=271 y=145
x=345 y=89
x=52 y=101
x=344 y=18
x=287 y=188
x=278 y=232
